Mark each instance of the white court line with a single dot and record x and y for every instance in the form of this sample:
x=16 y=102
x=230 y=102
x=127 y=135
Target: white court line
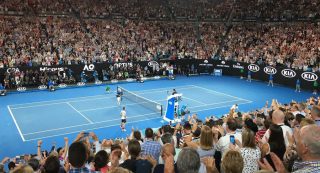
x=222 y=106
x=220 y=93
x=23 y=107
x=194 y=100
x=117 y=124
x=116 y=119
x=80 y=113
x=107 y=107
x=80 y=125
x=90 y=129
x=214 y=104
x=75 y=101
x=15 y=122
x=68 y=99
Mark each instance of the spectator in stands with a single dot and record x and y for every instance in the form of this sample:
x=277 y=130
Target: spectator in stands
x=307 y=141
x=100 y=160
x=52 y=165
x=224 y=142
x=188 y=161
x=232 y=161
x=136 y=164
x=150 y=146
x=77 y=156
x=249 y=151
x=278 y=119
x=167 y=150
x=34 y=163
x=315 y=114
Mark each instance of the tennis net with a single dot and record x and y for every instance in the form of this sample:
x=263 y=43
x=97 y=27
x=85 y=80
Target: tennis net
x=147 y=103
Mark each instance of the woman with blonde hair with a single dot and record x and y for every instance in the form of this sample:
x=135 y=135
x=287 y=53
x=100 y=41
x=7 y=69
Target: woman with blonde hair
x=232 y=162
x=206 y=143
x=249 y=151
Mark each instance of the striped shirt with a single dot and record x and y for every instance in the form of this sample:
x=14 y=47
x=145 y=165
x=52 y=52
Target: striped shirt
x=306 y=167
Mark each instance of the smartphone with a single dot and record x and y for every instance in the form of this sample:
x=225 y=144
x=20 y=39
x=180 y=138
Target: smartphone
x=232 y=140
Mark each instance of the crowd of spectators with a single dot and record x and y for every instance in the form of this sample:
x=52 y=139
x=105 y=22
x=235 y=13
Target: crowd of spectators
x=293 y=45
x=278 y=137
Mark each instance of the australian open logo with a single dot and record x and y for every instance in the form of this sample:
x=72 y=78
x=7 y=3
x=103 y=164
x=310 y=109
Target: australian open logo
x=42 y=87
x=270 y=70
x=153 y=63
x=21 y=89
x=206 y=61
x=309 y=76
x=253 y=67
x=288 y=73
x=89 y=67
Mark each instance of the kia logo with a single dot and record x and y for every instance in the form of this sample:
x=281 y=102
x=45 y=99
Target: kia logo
x=21 y=89
x=62 y=85
x=288 y=73
x=129 y=80
x=42 y=87
x=153 y=63
x=253 y=67
x=270 y=70
x=114 y=81
x=309 y=76
x=81 y=84
x=98 y=82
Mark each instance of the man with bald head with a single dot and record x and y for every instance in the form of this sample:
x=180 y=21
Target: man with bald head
x=167 y=150
x=308 y=148
x=315 y=114
x=278 y=119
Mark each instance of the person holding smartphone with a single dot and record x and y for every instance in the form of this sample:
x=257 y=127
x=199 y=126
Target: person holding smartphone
x=231 y=136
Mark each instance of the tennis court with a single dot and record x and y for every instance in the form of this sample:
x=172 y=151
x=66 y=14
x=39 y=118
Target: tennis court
x=38 y=120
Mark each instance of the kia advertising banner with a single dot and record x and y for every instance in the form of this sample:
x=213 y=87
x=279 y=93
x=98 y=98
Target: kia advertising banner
x=281 y=75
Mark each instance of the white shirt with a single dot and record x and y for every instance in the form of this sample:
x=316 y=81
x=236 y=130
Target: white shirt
x=123 y=114
x=284 y=128
x=224 y=142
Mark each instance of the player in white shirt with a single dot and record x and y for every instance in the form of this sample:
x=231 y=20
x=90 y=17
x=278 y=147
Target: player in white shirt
x=123 y=115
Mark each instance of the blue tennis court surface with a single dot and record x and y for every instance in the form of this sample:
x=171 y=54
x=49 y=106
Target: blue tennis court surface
x=27 y=117
x=94 y=112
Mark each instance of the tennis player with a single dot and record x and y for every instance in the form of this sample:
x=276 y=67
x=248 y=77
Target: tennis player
x=270 y=80
x=123 y=115
x=2 y=90
x=119 y=95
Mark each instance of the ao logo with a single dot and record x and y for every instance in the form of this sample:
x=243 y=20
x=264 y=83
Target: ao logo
x=288 y=73
x=21 y=89
x=206 y=61
x=42 y=87
x=89 y=67
x=309 y=76
x=253 y=67
x=270 y=70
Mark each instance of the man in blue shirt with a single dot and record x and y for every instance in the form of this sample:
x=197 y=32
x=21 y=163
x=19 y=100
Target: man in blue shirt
x=150 y=147
x=298 y=85
x=2 y=90
x=270 y=80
